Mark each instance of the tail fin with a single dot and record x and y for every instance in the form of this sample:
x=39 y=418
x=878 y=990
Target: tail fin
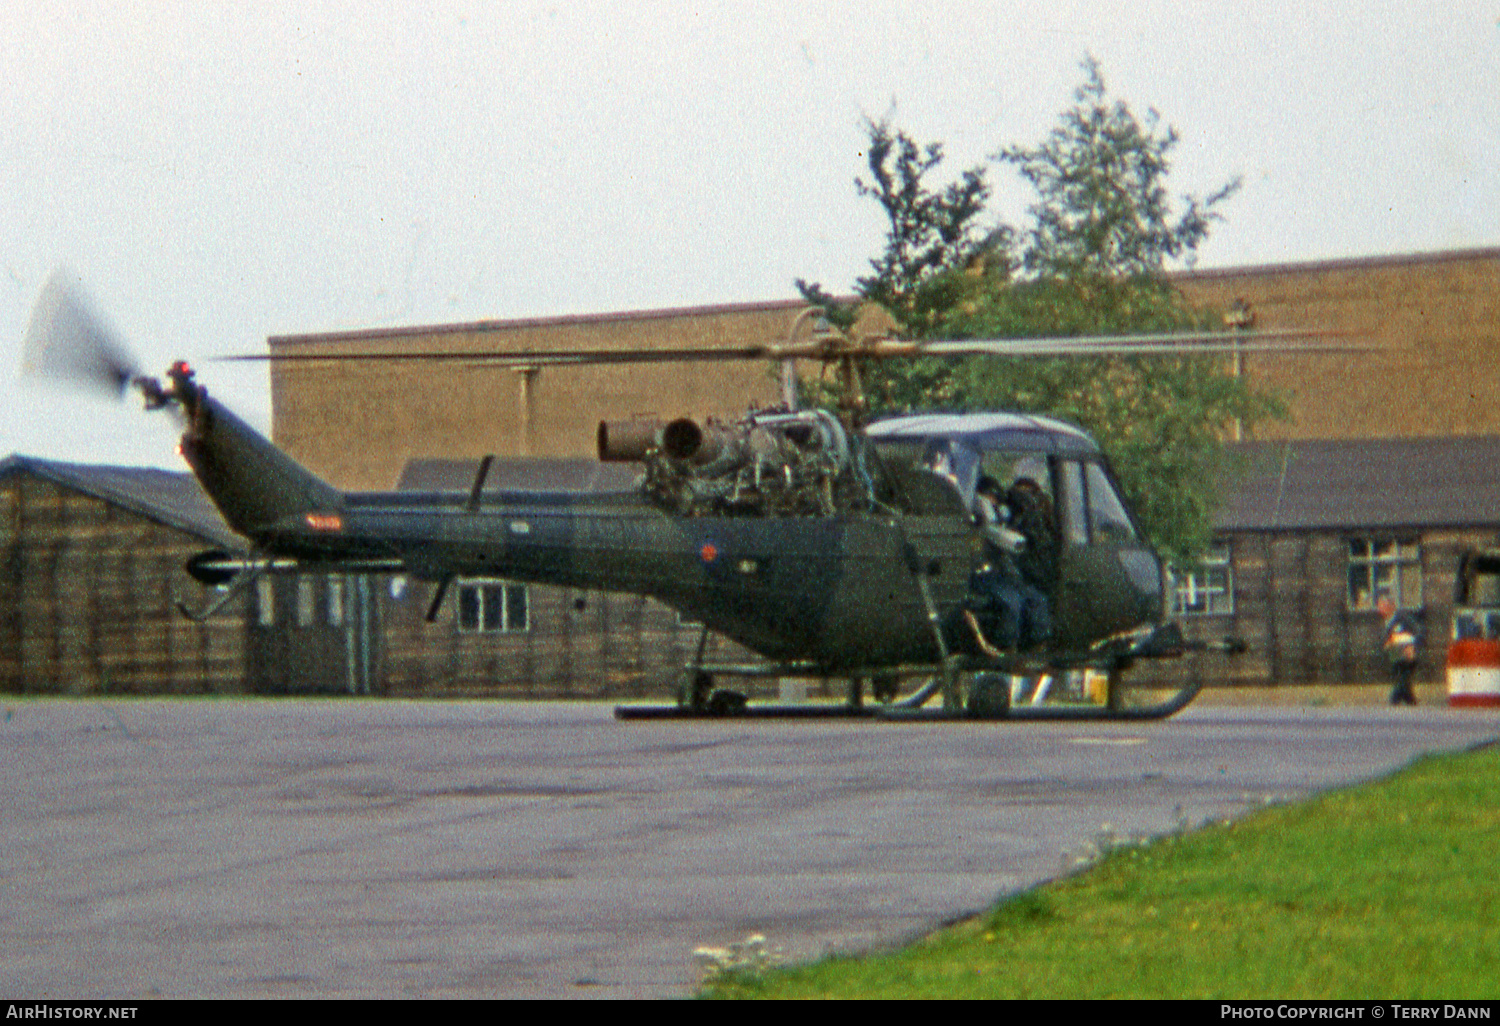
x=254 y=484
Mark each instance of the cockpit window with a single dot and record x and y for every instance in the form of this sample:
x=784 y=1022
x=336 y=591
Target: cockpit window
x=1072 y=513
x=1107 y=515
x=1008 y=467
x=928 y=476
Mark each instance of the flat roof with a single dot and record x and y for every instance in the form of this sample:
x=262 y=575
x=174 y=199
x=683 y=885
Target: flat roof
x=1445 y=256
x=710 y=310
x=519 y=324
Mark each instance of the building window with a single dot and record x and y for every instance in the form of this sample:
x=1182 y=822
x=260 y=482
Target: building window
x=265 y=602
x=335 y=602
x=493 y=607
x=1207 y=587
x=1384 y=566
x=307 y=602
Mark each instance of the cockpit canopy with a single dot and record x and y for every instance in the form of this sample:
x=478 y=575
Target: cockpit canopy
x=962 y=449
x=1018 y=431
x=936 y=462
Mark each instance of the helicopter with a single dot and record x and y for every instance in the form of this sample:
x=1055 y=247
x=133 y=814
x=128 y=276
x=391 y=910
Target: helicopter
x=963 y=551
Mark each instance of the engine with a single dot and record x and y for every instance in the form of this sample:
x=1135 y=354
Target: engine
x=768 y=464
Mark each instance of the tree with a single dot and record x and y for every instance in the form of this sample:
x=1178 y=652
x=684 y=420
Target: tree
x=1092 y=259
x=934 y=235
x=1103 y=209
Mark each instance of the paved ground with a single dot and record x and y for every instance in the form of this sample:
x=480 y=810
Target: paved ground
x=256 y=848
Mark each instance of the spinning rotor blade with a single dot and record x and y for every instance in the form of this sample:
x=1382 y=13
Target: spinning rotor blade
x=68 y=341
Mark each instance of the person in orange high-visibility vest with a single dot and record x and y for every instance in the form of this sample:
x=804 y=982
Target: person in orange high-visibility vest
x=1401 y=637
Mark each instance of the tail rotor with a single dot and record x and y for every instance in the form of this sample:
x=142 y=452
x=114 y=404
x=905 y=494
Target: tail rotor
x=68 y=341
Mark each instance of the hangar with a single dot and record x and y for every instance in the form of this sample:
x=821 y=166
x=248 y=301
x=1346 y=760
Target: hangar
x=1433 y=315
x=1382 y=475
x=1315 y=530
x=91 y=569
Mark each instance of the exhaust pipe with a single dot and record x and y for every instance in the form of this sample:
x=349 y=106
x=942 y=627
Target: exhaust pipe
x=627 y=441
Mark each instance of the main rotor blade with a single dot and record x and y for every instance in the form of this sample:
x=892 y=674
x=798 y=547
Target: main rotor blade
x=68 y=341
x=527 y=358
x=1178 y=344
x=832 y=347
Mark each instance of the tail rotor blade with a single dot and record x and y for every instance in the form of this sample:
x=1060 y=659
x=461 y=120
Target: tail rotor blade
x=68 y=341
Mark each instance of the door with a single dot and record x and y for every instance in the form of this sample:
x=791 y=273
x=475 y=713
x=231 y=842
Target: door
x=1109 y=579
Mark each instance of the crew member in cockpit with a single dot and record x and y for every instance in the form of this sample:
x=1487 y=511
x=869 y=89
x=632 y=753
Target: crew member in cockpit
x=1002 y=610
x=991 y=514
x=1030 y=513
x=938 y=459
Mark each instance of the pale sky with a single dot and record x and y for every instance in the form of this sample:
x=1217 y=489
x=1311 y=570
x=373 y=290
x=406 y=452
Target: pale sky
x=219 y=172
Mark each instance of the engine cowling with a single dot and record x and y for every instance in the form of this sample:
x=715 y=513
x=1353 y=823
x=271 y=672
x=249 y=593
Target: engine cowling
x=765 y=464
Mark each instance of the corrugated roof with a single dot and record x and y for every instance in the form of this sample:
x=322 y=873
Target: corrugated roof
x=168 y=497
x=1381 y=483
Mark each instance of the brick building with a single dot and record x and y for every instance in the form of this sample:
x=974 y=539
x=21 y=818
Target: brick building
x=1432 y=318
x=1435 y=322
x=399 y=411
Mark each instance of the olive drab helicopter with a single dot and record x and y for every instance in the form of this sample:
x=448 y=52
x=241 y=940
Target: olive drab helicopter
x=897 y=552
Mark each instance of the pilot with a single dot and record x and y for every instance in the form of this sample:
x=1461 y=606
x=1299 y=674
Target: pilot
x=990 y=515
x=1030 y=513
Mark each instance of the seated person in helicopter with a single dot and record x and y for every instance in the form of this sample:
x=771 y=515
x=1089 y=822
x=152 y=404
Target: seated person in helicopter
x=1003 y=609
x=938 y=460
x=1029 y=512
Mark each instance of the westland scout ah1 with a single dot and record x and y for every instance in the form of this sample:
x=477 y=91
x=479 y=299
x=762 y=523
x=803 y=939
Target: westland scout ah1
x=877 y=554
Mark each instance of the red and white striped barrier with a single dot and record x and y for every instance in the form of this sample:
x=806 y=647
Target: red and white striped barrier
x=1474 y=673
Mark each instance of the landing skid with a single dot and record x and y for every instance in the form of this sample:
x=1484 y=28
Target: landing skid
x=987 y=697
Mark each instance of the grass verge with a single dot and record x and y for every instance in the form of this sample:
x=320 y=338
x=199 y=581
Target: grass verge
x=1383 y=891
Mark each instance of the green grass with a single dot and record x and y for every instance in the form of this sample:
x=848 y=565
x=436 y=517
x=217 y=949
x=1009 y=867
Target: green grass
x=1388 y=890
